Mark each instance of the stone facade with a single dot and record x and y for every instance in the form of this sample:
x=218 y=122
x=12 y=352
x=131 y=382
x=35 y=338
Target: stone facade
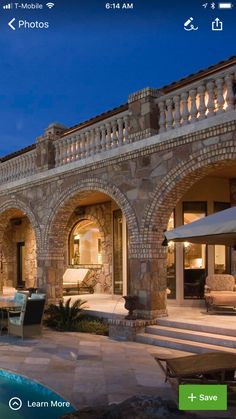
x=18 y=230
x=145 y=177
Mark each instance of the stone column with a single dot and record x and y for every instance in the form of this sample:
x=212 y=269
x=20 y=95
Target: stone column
x=1 y=268
x=50 y=270
x=147 y=280
x=232 y=186
x=45 y=149
x=144 y=115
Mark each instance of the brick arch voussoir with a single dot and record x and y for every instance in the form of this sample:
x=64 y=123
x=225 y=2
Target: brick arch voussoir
x=181 y=178
x=25 y=208
x=78 y=219
x=63 y=204
x=75 y=220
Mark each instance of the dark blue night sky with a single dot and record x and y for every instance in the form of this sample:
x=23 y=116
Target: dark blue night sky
x=91 y=59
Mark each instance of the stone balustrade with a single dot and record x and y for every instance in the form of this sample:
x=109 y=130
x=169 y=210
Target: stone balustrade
x=149 y=112
x=18 y=167
x=106 y=135
x=200 y=100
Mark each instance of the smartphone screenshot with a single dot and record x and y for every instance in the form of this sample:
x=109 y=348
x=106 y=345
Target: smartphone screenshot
x=117 y=209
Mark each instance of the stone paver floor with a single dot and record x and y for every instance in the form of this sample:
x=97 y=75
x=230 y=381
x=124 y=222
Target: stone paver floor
x=88 y=370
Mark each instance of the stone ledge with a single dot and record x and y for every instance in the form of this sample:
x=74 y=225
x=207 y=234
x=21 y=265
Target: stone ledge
x=124 y=329
x=132 y=323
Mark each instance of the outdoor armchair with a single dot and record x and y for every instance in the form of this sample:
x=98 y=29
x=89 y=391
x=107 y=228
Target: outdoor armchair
x=28 y=322
x=21 y=297
x=19 y=300
x=220 y=291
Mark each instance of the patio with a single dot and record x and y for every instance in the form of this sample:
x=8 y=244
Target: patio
x=108 y=306
x=85 y=369
x=90 y=370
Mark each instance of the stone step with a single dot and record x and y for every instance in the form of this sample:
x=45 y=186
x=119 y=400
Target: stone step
x=193 y=335
x=207 y=328
x=180 y=344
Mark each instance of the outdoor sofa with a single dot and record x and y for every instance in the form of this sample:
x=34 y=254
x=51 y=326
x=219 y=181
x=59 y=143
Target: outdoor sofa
x=220 y=291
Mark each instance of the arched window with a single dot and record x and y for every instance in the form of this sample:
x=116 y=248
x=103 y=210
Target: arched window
x=85 y=244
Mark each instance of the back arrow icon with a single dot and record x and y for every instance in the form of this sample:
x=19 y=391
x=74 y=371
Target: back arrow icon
x=10 y=24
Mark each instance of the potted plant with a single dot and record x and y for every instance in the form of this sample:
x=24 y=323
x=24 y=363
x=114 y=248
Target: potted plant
x=131 y=303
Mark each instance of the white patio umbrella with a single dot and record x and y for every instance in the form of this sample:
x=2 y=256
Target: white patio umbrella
x=219 y=228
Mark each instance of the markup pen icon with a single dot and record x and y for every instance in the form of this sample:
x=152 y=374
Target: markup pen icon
x=217 y=25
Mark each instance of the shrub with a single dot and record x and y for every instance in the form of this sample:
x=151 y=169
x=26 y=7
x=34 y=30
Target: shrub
x=96 y=327
x=64 y=316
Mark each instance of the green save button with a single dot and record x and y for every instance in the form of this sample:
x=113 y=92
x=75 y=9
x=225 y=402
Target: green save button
x=202 y=397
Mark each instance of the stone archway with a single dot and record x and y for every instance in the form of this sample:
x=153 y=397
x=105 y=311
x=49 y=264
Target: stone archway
x=55 y=230
x=173 y=186
x=18 y=225
x=164 y=198
x=61 y=206
x=100 y=277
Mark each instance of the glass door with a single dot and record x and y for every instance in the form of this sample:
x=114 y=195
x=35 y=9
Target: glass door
x=195 y=258
x=20 y=264
x=171 y=262
x=117 y=252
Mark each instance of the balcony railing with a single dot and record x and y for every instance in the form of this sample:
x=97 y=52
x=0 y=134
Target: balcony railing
x=211 y=95
x=203 y=99
x=97 y=138
x=18 y=167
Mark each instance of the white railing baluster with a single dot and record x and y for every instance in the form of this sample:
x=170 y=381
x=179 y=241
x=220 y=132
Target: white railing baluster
x=83 y=143
x=169 y=117
x=193 y=109
x=103 y=140
x=177 y=115
x=220 y=97
x=185 y=112
x=120 y=131
x=97 y=140
x=202 y=101
x=108 y=136
x=211 y=99
x=230 y=98
x=114 y=134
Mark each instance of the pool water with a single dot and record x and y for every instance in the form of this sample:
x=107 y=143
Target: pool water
x=29 y=392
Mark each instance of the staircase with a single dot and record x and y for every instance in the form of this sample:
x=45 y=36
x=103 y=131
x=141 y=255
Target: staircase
x=189 y=337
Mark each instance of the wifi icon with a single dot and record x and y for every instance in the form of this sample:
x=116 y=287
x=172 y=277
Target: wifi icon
x=50 y=5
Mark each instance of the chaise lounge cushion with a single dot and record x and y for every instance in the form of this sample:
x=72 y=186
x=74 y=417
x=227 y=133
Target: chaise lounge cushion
x=220 y=290
x=220 y=282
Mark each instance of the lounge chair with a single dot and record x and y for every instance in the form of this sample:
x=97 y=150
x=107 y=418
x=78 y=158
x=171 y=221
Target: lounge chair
x=28 y=321
x=212 y=367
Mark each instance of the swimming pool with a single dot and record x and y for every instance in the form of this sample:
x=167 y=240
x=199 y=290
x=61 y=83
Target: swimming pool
x=38 y=402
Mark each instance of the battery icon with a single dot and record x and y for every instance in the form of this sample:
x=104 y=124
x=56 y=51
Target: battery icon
x=225 y=6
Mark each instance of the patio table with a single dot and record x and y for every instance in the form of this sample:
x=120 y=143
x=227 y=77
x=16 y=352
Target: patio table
x=209 y=367
x=8 y=305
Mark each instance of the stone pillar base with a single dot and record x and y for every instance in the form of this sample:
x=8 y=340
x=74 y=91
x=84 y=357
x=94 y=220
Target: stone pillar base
x=127 y=329
x=151 y=314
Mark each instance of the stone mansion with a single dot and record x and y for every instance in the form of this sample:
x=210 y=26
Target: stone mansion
x=100 y=195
